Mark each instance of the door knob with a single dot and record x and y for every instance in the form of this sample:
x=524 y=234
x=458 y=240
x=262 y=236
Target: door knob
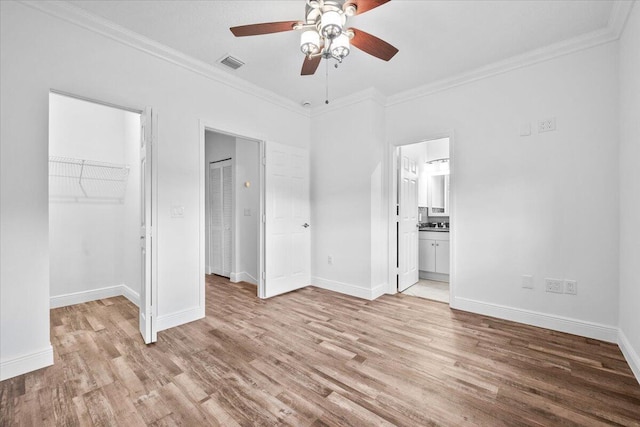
x=305 y=225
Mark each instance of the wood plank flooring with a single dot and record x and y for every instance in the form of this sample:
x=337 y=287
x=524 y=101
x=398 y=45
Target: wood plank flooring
x=317 y=358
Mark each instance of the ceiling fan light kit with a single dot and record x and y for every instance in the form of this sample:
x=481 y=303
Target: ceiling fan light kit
x=324 y=32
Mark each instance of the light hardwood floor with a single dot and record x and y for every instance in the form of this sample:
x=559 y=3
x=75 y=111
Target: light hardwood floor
x=317 y=358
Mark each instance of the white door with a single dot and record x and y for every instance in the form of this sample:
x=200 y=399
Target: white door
x=147 y=292
x=408 y=222
x=220 y=196
x=287 y=228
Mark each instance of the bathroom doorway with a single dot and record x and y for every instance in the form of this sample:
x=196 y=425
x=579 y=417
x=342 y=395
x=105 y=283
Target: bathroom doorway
x=422 y=196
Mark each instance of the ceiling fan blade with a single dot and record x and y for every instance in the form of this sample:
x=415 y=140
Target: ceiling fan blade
x=310 y=65
x=372 y=45
x=264 y=28
x=363 y=6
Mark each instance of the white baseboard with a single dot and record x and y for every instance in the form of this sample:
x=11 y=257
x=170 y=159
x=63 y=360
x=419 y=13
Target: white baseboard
x=349 y=289
x=84 y=296
x=379 y=290
x=243 y=277
x=93 y=295
x=179 y=318
x=632 y=356
x=131 y=295
x=428 y=275
x=26 y=363
x=543 y=320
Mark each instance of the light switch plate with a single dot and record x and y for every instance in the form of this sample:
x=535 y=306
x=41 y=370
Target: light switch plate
x=177 y=211
x=527 y=281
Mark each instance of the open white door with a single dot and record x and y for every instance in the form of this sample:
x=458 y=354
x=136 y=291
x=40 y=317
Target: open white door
x=287 y=234
x=408 y=222
x=147 y=291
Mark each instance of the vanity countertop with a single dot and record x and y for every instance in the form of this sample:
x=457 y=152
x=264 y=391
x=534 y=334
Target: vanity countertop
x=439 y=229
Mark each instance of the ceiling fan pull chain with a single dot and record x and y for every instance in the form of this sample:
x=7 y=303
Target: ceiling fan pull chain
x=326 y=101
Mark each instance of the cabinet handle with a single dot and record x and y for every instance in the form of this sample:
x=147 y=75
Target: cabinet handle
x=432 y=244
x=437 y=244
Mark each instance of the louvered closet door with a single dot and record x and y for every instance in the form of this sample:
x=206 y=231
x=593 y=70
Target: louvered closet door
x=220 y=197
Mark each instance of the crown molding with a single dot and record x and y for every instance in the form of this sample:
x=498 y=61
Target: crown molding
x=619 y=15
x=89 y=21
x=370 y=94
x=73 y=14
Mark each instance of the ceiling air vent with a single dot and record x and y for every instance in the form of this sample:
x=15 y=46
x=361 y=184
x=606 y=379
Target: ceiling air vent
x=231 y=62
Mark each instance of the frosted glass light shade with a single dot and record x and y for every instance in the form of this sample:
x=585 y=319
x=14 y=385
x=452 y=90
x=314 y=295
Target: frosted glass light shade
x=331 y=24
x=310 y=42
x=340 y=46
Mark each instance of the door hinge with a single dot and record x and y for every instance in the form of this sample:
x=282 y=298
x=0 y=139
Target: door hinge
x=264 y=160
x=264 y=218
x=264 y=275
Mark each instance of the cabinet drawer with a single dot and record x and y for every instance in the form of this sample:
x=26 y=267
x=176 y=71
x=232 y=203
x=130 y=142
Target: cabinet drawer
x=434 y=235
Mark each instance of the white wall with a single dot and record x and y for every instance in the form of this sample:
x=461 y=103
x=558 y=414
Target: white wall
x=39 y=52
x=92 y=240
x=544 y=205
x=131 y=255
x=630 y=190
x=347 y=200
x=247 y=198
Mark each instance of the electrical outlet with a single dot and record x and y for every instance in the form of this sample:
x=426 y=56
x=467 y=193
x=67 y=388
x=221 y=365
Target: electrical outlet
x=547 y=125
x=554 y=285
x=571 y=287
x=330 y=260
x=527 y=281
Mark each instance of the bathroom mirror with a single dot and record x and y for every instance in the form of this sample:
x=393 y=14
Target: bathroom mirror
x=439 y=195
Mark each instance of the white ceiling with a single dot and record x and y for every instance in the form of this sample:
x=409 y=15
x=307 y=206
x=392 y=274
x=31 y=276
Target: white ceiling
x=436 y=39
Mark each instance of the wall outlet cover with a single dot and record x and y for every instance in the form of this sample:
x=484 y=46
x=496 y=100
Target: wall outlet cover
x=571 y=287
x=554 y=285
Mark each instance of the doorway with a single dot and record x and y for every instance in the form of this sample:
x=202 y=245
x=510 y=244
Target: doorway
x=100 y=205
x=421 y=194
x=232 y=207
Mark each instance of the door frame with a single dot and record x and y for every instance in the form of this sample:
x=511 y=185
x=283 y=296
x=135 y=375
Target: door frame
x=212 y=126
x=392 y=191
x=153 y=163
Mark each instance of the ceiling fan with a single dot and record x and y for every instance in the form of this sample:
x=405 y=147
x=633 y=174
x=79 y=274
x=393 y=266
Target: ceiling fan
x=324 y=32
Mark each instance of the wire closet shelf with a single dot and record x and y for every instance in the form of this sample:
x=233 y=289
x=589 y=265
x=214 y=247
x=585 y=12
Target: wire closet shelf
x=79 y=180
